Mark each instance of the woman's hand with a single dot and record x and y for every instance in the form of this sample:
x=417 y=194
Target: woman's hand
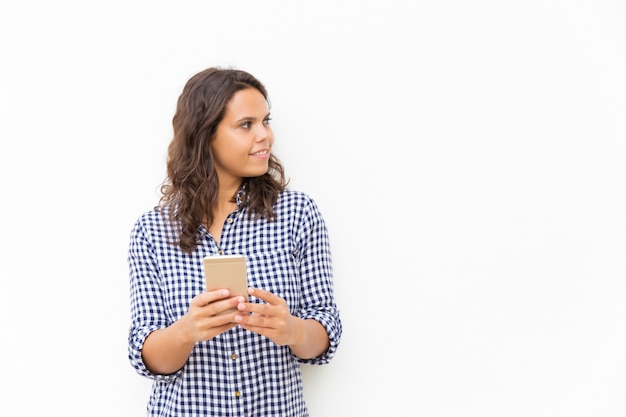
x=203 y=320
x=166 y=350
x=306 y=338
x=272 y=319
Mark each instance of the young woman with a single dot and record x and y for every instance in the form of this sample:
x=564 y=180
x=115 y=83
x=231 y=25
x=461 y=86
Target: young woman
x=226 y=193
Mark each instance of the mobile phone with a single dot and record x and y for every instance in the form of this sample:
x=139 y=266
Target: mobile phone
x=226 y=271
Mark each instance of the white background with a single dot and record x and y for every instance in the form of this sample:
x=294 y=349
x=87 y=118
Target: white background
x=469 y=158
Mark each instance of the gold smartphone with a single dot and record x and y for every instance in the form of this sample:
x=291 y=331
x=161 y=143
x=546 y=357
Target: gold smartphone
x=226 y=271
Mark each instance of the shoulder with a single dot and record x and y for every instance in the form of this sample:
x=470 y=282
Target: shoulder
x=295 y=195
x=295 y=198
x=154 y=219
x=154 y=228
x=294 y=204
x=151 y=216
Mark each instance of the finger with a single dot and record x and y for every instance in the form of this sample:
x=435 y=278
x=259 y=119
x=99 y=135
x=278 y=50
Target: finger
x=209 y=297
x=226 y=306
x=256 y=308
x=253 y=321
x=265 y=295
x=214 y=331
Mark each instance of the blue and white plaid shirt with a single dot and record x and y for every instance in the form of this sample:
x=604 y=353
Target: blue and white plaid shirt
x=237 y=373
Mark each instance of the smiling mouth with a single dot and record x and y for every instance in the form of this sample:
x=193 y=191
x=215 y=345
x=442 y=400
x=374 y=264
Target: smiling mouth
x=261 y=153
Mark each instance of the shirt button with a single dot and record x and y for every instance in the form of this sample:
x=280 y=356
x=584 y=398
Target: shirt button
x=229 y=220
x=237 y=394
x=220 y=252
x=233 y=356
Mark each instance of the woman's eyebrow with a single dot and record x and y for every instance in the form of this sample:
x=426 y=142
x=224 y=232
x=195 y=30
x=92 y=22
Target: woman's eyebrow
x=251 y=118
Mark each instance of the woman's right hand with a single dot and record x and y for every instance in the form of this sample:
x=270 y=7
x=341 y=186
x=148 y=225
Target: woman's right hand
x=209 y=315
x=166 y=350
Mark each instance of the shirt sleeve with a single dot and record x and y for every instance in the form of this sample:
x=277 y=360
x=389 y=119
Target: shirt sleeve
x=318 y=301
x=146 y=299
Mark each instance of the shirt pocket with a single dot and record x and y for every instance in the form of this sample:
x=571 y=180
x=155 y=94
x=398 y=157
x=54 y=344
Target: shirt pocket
x=278 y=273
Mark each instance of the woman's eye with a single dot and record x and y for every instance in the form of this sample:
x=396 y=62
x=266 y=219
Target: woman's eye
x=267 y=121
x=245 y=125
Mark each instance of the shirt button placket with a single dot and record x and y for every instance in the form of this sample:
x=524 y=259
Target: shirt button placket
x=229 y=221
x=234 y=357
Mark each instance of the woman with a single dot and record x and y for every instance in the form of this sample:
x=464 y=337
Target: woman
x=226 y=193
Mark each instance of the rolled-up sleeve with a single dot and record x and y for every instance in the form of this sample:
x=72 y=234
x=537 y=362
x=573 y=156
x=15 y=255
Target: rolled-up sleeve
x=146 y=299
x=316 y=273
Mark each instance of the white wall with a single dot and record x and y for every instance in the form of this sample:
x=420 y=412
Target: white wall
x=469 y=158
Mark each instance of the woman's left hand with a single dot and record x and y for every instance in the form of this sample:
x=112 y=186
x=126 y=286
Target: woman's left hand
x=271 y=319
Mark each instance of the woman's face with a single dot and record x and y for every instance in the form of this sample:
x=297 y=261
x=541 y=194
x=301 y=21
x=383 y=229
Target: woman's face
x=244 y=138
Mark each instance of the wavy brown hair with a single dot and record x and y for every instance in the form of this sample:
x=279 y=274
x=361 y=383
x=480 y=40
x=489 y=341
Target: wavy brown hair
x=191 y=186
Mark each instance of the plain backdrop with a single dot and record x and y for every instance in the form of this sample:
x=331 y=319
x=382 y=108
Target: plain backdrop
x=469 y=159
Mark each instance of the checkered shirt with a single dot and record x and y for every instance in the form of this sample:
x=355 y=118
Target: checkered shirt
x=237 y=373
